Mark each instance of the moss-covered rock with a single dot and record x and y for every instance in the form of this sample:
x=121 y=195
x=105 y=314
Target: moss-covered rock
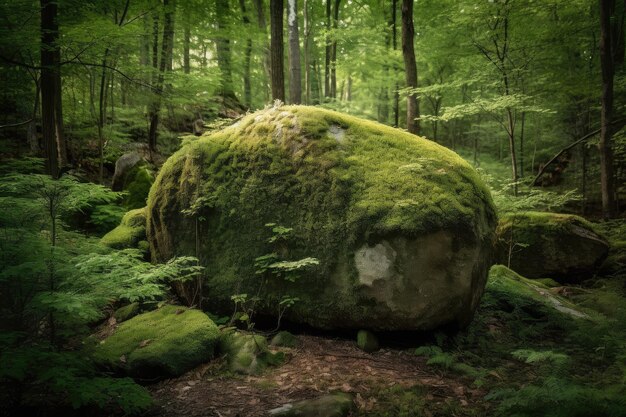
x=508 y=291
x=162 y=343
x=248 y=353
x=284 y=339
x=130 y=233
x=564 y=247
x=402 y=227
x=134 y=175
x=127 y=312
x=367 y=341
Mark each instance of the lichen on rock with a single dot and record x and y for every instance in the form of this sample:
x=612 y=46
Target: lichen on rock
x=346 y=187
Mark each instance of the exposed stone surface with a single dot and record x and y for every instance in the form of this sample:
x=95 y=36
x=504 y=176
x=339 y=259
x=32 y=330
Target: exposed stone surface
x=402 y=227
x=548 y=245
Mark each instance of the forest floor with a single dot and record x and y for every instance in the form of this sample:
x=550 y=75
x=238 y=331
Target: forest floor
x=318 y=366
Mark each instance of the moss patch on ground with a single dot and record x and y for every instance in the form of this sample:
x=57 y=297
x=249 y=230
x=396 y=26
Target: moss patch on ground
x=130 y=233
x=162 y=343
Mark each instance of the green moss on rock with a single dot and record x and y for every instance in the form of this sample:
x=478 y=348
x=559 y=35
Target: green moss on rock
x=248 y=353
x=130 y=233
x=284 y=339
x=564 y=247
x=127 y=312
x=367 y=341
x=162 y=343
x=343 y=184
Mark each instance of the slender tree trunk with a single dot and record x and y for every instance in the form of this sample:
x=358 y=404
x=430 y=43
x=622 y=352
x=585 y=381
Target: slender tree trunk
x=328 y=51
x=606 y=114
x=31 y=132
x=186 y=45
x=307 y=69
x=396 y=94
x=223 y=50
x=49 y=70
x=278 y=76
x=266 y=50
x=247 y=88
x=410 y=66
x=295 y=74
x=333 y=52
x=155 y=107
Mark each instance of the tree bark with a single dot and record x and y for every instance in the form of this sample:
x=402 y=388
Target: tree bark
x=278 y=75
x=247 y=88
x=266 y=50
x=295 y=72
x=396 y=94
x=606 y=113
x=155 y=107
x=410 y=66
x=328 y=51
x=186 y=45
x=51 y=123
x=223 y=50
x=307 y=46
x=333 y=52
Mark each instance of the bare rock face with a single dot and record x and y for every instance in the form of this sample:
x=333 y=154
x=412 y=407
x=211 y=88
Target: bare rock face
x=403 y=228
x=548 y=245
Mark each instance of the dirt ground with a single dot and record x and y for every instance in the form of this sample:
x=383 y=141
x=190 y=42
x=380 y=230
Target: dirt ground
x=318 y=366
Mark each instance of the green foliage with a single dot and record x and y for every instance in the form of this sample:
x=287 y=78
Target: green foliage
x=129 y=232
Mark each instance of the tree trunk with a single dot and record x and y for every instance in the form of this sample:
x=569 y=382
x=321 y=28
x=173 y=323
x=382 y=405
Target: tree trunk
x=50 y=87
x=295 y=74
x=410 y=66
x=223 y=50
x=307 y=69
x=155 y=107
x=278 y=75
x=247 y=88
x=266 y=50
x=396 y=94
x=328 y=50
x=606 y=114
x=333 y=52
x=186 y=44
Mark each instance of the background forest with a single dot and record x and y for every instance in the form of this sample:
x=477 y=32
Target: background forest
x=96 y=95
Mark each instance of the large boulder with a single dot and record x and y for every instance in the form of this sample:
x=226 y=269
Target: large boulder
x=403 y=228
x=564 y=247
x=162 y=343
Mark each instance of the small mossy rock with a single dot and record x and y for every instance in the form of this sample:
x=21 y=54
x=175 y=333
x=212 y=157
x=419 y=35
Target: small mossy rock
x=134 y=175
x=402 y=227
x=127 y=312
x=367 y=341
x=331 y=405
x=508 y=291
x=162 y=343
x=248 y=353
x=130 y=233
x=284 y=339
x=564 y=247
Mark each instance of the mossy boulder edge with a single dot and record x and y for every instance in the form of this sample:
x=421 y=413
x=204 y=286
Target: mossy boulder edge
x=130 y=232
x=402 y=226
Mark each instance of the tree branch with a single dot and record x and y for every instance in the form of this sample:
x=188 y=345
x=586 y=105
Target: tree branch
x=570 y=146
